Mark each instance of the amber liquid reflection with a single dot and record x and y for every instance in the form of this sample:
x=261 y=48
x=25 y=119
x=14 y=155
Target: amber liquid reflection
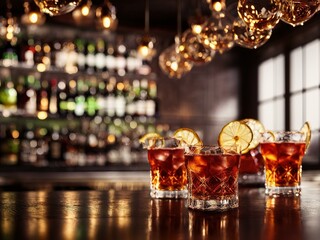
x=165 y=219
x=280 y=213
x=219 y=225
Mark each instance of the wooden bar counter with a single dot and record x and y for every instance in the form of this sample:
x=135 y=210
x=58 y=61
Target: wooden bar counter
x=118 y=207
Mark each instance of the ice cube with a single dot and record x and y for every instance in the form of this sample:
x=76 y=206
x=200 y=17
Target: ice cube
x=178 y=159
x=161 y=155
x=288 y=149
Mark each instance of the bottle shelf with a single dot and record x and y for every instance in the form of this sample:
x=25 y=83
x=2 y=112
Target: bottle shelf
x=74 y=103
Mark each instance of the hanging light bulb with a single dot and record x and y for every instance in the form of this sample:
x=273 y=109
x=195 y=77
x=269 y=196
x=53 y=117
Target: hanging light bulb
x=194 y=50
x=217 y=7
x=106 y=15
x=32 y=15
x=249 y=38
x=197 y=20
x=173 y=63
x=146 y=44
x=217 y=34
x=84 y=14
x=297 y=12
x=57 y=7
x=260 y=14
x=85 y=9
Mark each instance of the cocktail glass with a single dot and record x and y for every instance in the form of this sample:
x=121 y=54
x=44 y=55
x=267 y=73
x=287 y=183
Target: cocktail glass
x=212 y=177
x=168 y=174
x=251 y=169
x=283 y=152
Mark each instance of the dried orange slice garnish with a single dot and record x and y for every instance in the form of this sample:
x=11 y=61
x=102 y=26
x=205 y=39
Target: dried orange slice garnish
x=306 y=130
x=257 y=128
x=237 y=134
x=150 y=139
x=268 y=136
x=187 y=136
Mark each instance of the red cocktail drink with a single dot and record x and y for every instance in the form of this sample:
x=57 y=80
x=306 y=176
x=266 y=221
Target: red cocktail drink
x=212 y=178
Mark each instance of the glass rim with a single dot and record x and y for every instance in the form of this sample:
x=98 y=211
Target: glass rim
x=230 y=150
x=284 y=132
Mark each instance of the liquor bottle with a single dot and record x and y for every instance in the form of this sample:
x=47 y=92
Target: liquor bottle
x=80 y=99
x=21 y=93
x=141 y=100
x=28 y=152
x=71 y=54
x=136 y=92
x=46 y=59
x=100 y=64
x=43 y=96
x=28 y=51
x=120 y=101
x=41 y=146
x=57 y=146
x=110 y=101
x=91 y=101
x=9 y=145
x=56 y=48
x=31 y=94
x=110 y=60
x=101 y=100
x=90 y=57
x=91 y=145
x=61 y=54
x=53 y=102
x=151 y=100
x=121 y=62
x=38 y=54
x=129 y=95
x=81 y=57
x=10 y=55
x=72 y=93
x=8 y=94
x=62 y=99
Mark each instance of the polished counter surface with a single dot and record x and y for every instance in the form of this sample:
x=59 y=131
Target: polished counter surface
x=118 y=207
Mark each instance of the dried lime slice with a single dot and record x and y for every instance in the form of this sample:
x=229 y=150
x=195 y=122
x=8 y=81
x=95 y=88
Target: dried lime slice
x=237 y=134
x=187 y=136
x=306 y=130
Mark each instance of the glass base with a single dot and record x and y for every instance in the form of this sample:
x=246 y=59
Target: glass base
x=283 y=191
x=251 y=179
x=214 y=204
x=168 y=194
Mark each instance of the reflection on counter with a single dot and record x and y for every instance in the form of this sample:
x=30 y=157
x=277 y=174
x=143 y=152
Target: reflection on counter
x=279 y=213
x=166 y=214
x=69 y=214
x=218 y=225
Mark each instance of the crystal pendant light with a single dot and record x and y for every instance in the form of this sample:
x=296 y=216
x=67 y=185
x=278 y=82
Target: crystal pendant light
x=193 y=49
x=297 y=12
x=249 y=38
x=106 y=15
x=57 y=7
x=146 y=49
x=260 y=14
x=171 y=61
x=217 y=33
x=32 y=15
